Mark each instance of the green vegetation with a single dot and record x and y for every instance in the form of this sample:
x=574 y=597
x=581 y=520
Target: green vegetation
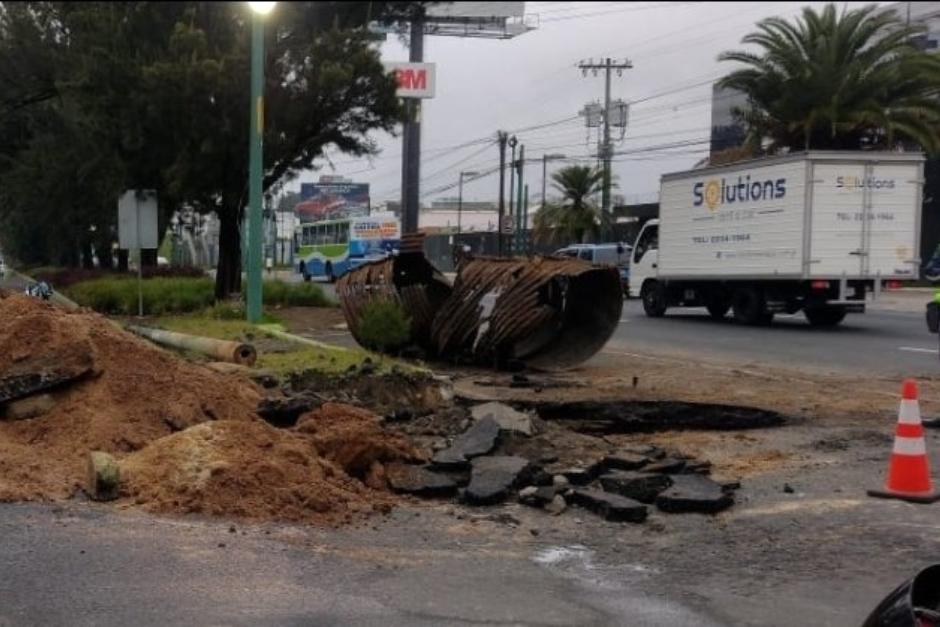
x=837 y=79
x=385 y=326
x=118 y=296
x=574 y=216
x=295 y=295
x=327 y=359
x=101 y=97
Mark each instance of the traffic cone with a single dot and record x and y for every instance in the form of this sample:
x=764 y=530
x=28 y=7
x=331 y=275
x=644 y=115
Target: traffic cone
x=908 y=471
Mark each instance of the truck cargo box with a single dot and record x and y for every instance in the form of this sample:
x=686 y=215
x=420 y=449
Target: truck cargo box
x=815 y=215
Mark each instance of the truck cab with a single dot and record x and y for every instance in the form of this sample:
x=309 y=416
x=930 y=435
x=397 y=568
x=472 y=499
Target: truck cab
x=645 y=255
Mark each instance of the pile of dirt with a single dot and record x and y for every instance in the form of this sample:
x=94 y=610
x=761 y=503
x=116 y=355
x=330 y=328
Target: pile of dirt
x=133 y=393
x=249 y=470
x=354 y=439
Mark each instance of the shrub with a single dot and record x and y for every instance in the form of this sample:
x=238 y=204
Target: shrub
x=161 y=295
x=384 y=326
x=62 y=278
x=283 y=294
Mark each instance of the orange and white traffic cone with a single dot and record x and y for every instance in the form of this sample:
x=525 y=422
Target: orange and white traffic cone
x=909 y=471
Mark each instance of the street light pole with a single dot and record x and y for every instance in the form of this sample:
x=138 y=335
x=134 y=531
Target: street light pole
x=255 y=182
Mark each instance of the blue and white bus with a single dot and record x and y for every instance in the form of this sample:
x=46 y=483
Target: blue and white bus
x=331 y=248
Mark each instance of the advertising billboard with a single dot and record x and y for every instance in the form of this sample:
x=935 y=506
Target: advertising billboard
x=328 y=201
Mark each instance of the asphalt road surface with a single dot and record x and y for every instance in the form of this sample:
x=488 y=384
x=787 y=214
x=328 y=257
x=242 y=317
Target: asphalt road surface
x=878 y=342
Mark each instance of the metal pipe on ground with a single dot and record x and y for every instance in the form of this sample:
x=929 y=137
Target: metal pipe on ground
x=546 y=312
x=235 y=352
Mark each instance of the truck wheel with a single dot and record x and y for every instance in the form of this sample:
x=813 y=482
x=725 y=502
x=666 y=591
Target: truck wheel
x=750 y=308
x=824 y=316
x=654 y=299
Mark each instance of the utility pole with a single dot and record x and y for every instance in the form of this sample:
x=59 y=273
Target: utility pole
x=503 y=139
x=525 y=221
x=517 y=245
x=411 y=139
x=513 y=142
x=605 y=151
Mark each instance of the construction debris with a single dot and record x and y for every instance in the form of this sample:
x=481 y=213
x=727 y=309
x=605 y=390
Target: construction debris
x=419 y=481
x=505 y=416
x=104 y=476
x=611 y=507
x=494 y=477
x=480 y=439
x=694 y=493
x=235 y=352
x=546 y=312
x=639 y=486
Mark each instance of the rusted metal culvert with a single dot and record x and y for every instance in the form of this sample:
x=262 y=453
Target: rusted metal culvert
x=547 y=312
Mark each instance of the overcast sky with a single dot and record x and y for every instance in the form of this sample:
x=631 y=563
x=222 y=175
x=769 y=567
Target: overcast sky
x=487 y=85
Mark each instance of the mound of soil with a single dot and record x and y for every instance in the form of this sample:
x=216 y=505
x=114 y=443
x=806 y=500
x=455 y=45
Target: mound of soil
x=246 y=469
x=353 y=439
x=134 y=394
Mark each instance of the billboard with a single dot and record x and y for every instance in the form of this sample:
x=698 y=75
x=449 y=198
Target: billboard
x=328 y=201
x=476 y=9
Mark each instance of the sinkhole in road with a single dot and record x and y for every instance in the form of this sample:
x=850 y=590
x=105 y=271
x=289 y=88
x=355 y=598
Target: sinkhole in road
x=627 y=416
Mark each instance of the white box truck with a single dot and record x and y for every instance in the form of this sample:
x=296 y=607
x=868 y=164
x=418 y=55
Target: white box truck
x=811 y=231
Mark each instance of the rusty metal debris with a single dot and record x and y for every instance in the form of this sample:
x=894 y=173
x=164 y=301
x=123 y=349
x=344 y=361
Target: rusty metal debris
x=547 y=312
x=408 y=279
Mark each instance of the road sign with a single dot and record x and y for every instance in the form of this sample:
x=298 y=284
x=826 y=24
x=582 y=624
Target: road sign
x=137 y=220
x=415 y=80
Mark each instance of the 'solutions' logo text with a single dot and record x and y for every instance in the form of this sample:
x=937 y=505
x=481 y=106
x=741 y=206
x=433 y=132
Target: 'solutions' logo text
x=853 y=182
x=714 y=192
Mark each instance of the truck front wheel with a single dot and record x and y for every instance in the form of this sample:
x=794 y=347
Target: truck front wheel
x=750 y=307
x=654 y=299
x=824 y=316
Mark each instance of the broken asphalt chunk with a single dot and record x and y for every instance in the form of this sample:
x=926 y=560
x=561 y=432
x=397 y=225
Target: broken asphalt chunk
x=694 y=493
x=478 y=440
x=493 y=478
x=667 y=466
x=625 y=460
x=640 y=486
x=505 y=416
x=534 y=496
x=610 y=506
x=419 y=481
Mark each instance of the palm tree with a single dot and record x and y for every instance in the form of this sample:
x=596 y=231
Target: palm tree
x=850 y=80
x=574 y=216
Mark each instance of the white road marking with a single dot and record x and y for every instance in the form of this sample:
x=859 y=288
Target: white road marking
x=915 y=349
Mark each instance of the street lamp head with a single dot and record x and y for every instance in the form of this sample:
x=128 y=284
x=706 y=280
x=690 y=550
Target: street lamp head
x=262 y=8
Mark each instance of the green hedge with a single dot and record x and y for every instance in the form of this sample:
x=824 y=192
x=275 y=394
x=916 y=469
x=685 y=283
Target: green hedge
x=181 y=295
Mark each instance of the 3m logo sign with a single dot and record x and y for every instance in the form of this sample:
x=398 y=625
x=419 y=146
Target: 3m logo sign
x=415 y=80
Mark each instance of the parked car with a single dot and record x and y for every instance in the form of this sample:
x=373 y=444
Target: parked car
x=615 y=254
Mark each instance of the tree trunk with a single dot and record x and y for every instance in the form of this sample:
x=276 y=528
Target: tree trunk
x=122 y=260
x=105 y=256
x=148 y=258
x=228 y=278
x=88 y=261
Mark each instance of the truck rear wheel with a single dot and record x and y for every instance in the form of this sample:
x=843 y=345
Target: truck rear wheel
x=750 y=307
x=825 y=316
x=654 y=299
